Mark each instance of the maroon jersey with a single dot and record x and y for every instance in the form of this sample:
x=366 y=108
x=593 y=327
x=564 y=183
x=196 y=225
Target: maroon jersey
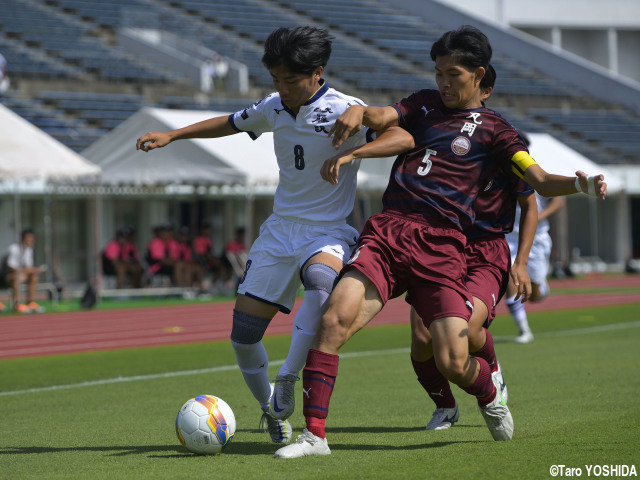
x=495 y=206
x=456 y=153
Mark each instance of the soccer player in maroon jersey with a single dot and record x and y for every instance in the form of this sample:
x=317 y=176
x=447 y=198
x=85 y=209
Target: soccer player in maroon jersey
x=416 y=245
x=488 y=261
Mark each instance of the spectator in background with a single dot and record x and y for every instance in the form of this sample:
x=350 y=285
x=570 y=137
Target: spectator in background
x=5 y=83
x=161 y=257
x=236 y=245
x=121 y=258
x=20 y=269
x=208 y=75
x=203 y=252
x=235 y=255
x=191 y=271
x=221 y=71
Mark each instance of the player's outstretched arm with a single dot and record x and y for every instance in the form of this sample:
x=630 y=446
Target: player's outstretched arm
x=389 y=142
x=351 y=121
x=526 y=233
x=551 y=185
x=212 y=128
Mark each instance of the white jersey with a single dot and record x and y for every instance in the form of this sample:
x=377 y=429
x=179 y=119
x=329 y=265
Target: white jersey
x=301 y=146
x=543 y=225
x=20 y=257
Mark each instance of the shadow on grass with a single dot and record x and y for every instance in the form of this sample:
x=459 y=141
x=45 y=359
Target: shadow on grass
x=237 y=447
x=420 y=428
x=114 y=450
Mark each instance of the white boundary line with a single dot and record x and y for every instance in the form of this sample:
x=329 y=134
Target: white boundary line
x=366 y=353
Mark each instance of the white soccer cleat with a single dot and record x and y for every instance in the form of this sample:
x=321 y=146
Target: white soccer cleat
x=498 y=380
x=526 y=337
x=283 y=399
x=443 y=418
x=306 y=445
x=498 y=417
x=279 y=430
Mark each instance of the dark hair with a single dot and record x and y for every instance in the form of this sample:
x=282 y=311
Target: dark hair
x=489 y=79
x=300 y=49
x=467 y=44
x=25 y=232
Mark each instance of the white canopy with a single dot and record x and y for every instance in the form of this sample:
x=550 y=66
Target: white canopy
x=228 y=160
x=556 y=157
x=27 y=152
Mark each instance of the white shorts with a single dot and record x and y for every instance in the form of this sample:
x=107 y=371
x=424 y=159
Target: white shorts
x=538 y=266
x=275 y=261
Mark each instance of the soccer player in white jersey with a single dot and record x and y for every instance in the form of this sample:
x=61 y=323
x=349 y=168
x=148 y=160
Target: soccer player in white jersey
x=306 y=239
x=538 y=266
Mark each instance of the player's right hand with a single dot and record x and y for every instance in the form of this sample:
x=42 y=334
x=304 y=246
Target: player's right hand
x=520 y=278
x=152 y=140
x=347 y=124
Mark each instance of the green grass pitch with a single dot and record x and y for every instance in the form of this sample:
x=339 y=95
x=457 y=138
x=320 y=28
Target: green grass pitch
x=574 y=394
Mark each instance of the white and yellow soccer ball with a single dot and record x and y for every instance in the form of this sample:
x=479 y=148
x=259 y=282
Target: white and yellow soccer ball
x=205 y=425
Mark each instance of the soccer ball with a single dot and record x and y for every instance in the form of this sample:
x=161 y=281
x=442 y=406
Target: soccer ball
x=205 y=425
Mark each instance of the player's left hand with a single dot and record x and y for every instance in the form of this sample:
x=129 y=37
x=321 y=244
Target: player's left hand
x=520 y=278
x=331 y=166
x=594 y=186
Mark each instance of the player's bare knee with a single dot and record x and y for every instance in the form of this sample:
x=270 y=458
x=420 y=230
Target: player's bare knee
x=477 y=338
x=453 y=369
x=333 y=330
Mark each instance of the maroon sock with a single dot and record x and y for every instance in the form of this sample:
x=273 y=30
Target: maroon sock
x=318 y=378
x=487 y=352
x=483 y=388
x=434 y=383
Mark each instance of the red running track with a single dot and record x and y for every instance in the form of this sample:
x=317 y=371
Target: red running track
x=61 y=333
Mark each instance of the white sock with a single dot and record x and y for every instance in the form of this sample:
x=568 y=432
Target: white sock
x=543 y=290
x=253 y=362
x=304 y=330
x=518 y=313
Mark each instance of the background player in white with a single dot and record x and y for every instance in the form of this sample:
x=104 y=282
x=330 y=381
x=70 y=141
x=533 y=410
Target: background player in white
x=538 y=266
x=306 y=239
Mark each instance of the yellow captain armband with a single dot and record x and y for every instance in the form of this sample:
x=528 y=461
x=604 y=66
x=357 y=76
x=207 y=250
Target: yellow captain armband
x=520 y=162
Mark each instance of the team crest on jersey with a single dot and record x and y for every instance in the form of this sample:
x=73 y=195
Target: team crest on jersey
x=321 y=115
x=461 y=145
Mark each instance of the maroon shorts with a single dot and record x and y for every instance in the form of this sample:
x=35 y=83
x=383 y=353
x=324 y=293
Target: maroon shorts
x=401 y=255
x=488 y=265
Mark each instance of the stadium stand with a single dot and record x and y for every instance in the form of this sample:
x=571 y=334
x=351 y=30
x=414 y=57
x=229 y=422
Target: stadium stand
x=70 y=77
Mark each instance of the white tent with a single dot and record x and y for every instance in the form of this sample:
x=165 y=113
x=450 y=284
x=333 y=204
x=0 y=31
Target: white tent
x=599 y=227
x=27 y=152
x=556 y=157
x=235 y=159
